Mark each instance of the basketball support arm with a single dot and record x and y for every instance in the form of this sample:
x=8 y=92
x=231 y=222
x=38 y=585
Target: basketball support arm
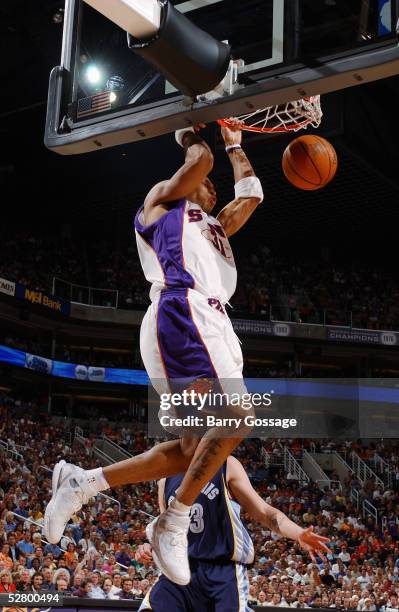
x=189 y=58
x=141 y=18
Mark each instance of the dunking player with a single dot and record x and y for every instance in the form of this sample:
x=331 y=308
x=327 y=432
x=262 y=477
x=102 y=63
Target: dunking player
x=186 y=334
x=219 y=547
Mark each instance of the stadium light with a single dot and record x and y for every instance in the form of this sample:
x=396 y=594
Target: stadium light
x=93 y=75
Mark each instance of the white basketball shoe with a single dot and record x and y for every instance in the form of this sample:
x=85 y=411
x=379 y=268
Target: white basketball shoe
x=71 y=490
x=167 y=535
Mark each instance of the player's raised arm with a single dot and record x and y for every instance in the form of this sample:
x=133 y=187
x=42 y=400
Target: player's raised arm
x=248 y=188
x=242 y=490
x=198 y=164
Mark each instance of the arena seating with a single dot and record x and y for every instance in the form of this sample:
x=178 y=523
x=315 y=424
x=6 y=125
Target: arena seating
x=96 y=556
x=307 y=289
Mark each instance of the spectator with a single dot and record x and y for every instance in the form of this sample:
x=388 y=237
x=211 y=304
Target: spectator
x=300 y=602
x=344 y=555
x=24 y=582
x=327 y=578
x=59 y=573
x=116 y=586
x=13 y=550
x=6 y=582
x=107 y=586
x=25 y=545
x=85 y=589
x=5 y=558
x=126 y=592
x=53 y=549
x=70 y=555
x=35 y=566
x=61 y=585
x=37 y=583
x=77 y=581
x=122 y=556
x=96 y=590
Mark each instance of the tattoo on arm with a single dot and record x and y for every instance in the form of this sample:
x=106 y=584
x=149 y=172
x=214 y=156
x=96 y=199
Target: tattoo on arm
x=241 y=164
x=272 y=523
x=239 y=154
x=201 y=463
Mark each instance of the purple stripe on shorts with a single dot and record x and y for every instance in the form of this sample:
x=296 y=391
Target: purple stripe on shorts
x=183 y=351
x=165 y=237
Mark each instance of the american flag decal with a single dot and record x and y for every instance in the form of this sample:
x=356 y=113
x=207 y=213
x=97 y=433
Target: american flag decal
x=94 y=104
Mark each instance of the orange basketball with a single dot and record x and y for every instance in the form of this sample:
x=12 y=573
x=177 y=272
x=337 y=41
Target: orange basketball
x=310 y=162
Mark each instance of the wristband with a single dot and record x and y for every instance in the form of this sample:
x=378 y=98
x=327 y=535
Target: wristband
x=249 y=187
x=180 y=133
x=234 y=147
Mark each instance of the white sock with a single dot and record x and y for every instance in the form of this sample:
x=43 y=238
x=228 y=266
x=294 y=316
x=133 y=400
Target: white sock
x=179 y=508
x=97 y=480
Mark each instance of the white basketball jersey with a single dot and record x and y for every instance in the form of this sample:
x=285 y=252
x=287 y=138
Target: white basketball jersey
x=186 y=248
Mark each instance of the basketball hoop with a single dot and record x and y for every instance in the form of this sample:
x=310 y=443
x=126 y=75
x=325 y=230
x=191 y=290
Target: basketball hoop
x=289 y=117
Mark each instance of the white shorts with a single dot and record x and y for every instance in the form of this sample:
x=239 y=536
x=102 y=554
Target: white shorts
x=185 y=335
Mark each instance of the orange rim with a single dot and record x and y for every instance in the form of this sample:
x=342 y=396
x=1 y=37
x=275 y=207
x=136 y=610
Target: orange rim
x=268 y=130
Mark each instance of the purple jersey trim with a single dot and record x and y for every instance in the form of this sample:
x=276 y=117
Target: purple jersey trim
x=165 y=237
x=183 y=351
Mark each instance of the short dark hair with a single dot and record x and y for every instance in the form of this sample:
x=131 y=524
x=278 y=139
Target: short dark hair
x=86 y=582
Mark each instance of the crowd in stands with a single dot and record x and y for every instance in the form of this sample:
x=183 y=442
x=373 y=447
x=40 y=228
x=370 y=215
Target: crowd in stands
x=96 y=557
x=271 y=286
x=317 y=291
x=34 y=260
x=120 y=269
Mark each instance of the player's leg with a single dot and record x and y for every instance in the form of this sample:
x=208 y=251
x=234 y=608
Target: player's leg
x=165 y=596
x=218 y=350
x=215 y=356
x=73 y=486
x=212 y=451
x=211 y=339
x=163 y=460
x=230 y=587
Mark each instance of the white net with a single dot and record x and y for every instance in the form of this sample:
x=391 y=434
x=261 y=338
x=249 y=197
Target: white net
x=289 y=117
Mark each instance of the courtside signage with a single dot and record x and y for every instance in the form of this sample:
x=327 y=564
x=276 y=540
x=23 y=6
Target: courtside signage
x=51 y=302
x=7 y=287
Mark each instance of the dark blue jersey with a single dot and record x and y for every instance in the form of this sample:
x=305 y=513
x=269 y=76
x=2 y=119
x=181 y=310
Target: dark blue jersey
x=216 y=530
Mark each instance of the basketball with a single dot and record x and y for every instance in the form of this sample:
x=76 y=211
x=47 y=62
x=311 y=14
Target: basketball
x=310 y=162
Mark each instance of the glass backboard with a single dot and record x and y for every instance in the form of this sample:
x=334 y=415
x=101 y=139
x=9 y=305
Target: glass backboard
x=104 y=94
